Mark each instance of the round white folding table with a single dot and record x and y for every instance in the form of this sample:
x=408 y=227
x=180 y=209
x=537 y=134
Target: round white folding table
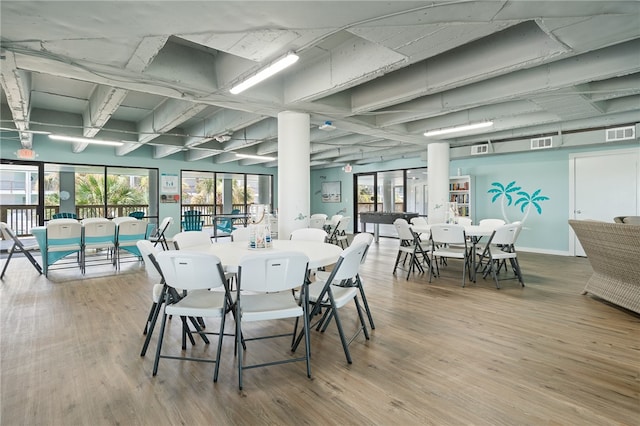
x=319 y=254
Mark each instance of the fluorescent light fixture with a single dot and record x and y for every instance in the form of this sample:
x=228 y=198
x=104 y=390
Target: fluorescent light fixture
x=84 y=140
x=255 y=157
x=473 y=126
x=265 y=73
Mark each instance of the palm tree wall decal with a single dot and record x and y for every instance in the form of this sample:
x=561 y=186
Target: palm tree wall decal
x=503 y=192
x=525 y=201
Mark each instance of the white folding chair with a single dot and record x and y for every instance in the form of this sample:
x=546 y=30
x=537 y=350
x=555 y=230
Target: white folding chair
x=191 y=239
x=464 y=221
x=99 y=241
x=317 y=220
x=241 y=234
x=323 y=295
x=309 y=234
x=448 y=241
x=63 y=238
x=197 y=274
x=149 y=251
x=499 y=248
x=18 y=247
x=129 y=232
x=366 y=238
x=120 y=219
x=409 y=246
x=159 y=236
x=339 y=232
x=149 y=254
x=491 y=223
x=265 y=284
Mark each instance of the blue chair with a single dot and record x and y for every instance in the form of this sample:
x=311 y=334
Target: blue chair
x=64 y=215
x=137 y=215
x=192 y=221
x=225 y=225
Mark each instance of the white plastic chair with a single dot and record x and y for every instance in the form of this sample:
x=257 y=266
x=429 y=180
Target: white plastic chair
x=421 y=223
x=63 y=237
x=499 y=248
x=309 y=234
x=240 y=234
x=149 y=252
x=129 y=232
x=265 y=281
x=192 y=271
x=317 y=220
x=120 y=219
x=360 y=238
x=491 y=223
x=409 y=246
x=99 y=241
x=341 y=237
x=191 y=239
x=18 y=247
x=159 y=236
x=464 y=221
x=448 y=241
x=324 y=296
x=330 y=224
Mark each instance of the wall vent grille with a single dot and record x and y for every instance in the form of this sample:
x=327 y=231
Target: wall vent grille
x=542 y=143
x=621 y=134
x=480 y=149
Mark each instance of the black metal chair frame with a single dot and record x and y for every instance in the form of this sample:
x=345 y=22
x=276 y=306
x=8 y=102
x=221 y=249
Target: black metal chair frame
x=18 y=247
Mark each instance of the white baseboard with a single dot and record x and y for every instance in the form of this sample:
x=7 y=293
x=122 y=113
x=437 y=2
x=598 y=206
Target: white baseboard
x=543 y=251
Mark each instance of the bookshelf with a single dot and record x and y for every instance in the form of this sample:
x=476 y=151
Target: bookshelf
x=460 y=193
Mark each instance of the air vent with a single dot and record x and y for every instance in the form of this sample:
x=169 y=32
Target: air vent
x=621 y=134
x=542 y=143
x=480 y=149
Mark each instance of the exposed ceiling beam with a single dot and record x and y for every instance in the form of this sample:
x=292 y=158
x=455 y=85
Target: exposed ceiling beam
x=16 y=84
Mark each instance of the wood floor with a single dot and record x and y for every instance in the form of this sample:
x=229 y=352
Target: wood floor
x=440 y=355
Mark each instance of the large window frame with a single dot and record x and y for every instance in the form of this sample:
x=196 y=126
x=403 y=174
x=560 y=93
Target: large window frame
x=391 y=191
x=219 y=193
x=55 y=194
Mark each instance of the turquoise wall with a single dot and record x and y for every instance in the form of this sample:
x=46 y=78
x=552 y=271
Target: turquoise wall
x=547 y=171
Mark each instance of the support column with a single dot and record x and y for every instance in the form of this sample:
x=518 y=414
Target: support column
x=438 y=172
x=388 y=198
x=68 y=183
x=227 y=195
x=264 y=188
x=294 y=178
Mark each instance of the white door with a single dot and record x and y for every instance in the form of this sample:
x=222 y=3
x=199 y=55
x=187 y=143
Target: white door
x=604 y=185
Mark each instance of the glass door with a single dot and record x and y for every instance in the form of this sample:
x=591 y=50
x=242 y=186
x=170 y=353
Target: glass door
x=21 y=196
x=366 y=199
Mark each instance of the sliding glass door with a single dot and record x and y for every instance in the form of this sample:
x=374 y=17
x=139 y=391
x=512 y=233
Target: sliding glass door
x=215 y=194
x=21 y=195
x=390 y=191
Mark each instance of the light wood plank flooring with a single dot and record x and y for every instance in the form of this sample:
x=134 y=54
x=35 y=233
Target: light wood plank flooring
x=440 y=355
